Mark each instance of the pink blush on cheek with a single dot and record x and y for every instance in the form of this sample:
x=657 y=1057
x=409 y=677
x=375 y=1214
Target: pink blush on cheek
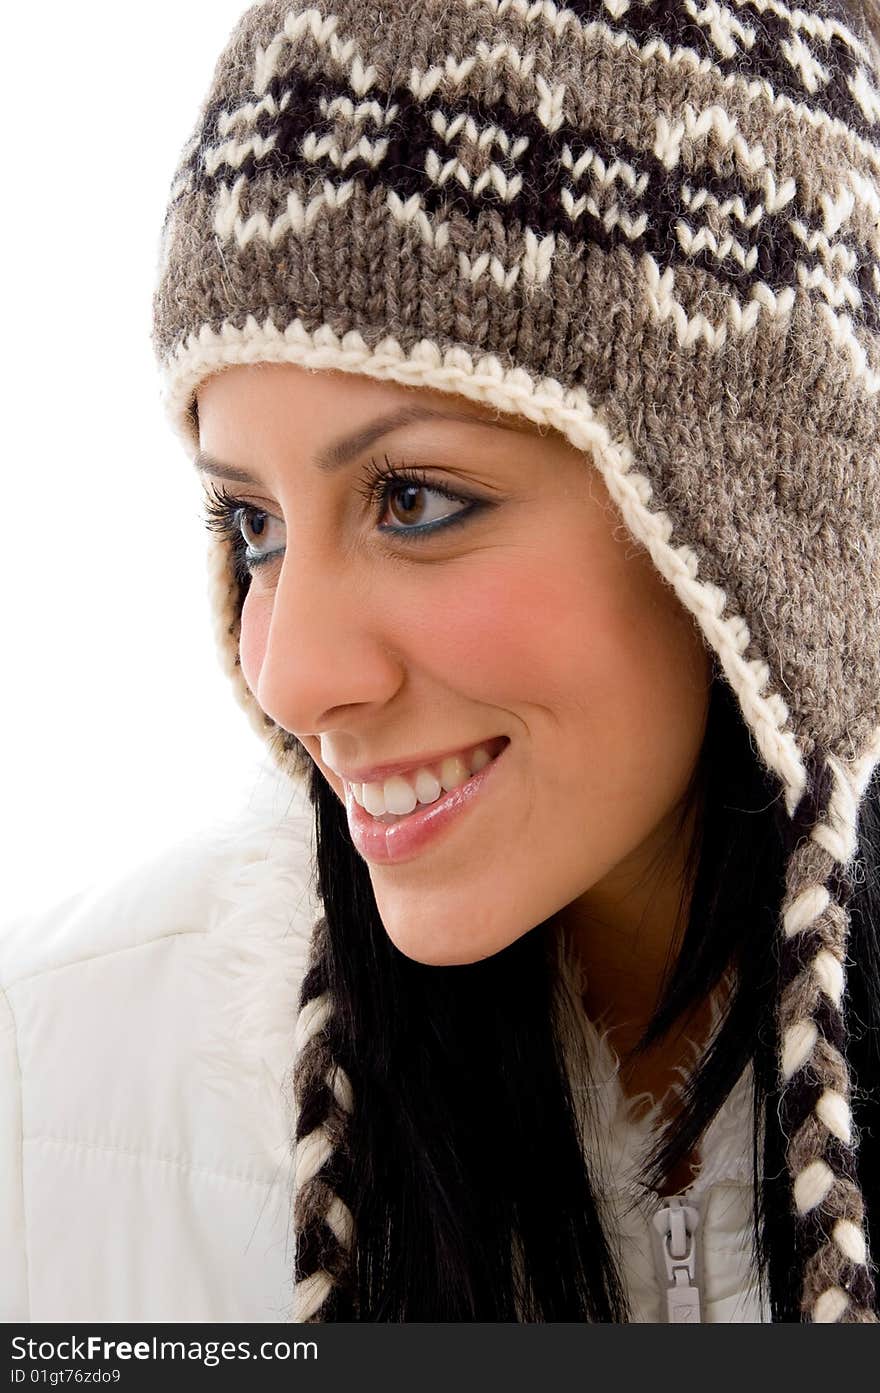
x=509 y=628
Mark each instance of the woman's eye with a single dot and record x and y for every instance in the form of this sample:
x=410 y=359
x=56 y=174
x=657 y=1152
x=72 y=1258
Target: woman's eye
x=409 y=505
x=403 y=505
x=255 y=527
x=406 y=505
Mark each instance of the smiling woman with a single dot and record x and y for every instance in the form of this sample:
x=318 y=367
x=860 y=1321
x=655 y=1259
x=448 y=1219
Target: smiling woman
x=530 y=362
x=386 y=643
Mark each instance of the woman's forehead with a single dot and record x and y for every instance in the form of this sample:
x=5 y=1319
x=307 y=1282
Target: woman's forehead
x=325 y=385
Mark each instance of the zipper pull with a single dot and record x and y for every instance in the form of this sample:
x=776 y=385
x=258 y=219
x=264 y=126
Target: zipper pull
x=676 y=1222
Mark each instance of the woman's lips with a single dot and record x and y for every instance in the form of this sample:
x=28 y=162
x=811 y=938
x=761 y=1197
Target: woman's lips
x=389 y=843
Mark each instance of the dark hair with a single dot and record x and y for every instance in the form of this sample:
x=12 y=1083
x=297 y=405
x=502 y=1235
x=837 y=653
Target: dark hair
x=457 y=1152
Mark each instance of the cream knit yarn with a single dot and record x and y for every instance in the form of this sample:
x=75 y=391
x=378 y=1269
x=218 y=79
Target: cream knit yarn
x=653 y=225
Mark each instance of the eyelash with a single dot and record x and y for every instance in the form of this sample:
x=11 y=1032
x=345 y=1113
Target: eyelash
x=222 y=510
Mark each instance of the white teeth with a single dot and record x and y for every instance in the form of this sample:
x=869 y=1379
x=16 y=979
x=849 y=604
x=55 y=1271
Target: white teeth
x=399 y=795
x=428 y=788
x=453 y=772
x=373 y=799
x=479 y=759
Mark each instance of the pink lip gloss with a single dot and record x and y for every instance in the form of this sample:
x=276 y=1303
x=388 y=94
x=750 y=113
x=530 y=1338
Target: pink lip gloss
x=388 y=843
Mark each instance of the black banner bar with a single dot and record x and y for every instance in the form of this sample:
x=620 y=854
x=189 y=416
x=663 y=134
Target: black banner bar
x=451 y=1358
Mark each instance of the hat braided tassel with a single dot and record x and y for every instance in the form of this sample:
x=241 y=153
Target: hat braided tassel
x=837 y=1284
x=322 y=1220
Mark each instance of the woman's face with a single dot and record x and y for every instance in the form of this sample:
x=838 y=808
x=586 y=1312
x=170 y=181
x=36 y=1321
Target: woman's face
x=531 y=616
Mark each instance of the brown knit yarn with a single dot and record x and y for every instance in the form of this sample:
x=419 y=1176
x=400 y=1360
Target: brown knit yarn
x=655 y=229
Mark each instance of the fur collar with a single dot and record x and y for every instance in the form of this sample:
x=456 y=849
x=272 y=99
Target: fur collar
x=252 y=958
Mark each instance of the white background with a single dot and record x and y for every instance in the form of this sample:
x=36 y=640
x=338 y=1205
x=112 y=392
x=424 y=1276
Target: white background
x=119 y=729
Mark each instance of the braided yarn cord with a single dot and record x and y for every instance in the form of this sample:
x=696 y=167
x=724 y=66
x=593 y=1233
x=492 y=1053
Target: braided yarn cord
x=322 y=1220
x=816 y=1098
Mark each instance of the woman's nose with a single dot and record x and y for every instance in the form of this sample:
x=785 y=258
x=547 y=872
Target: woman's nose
x=325 y=646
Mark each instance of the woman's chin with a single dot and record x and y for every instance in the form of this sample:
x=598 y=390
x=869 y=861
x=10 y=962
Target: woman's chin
x=439 y=944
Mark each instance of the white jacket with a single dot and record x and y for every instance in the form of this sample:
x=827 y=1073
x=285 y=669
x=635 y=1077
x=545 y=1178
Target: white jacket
x=145 y=1044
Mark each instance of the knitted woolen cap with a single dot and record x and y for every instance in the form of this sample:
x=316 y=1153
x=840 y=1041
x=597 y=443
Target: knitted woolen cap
x=654 y=227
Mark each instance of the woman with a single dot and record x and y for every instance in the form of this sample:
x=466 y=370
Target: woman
x=531 y=362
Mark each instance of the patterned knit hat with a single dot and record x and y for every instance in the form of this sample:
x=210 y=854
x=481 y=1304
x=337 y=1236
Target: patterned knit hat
x=655 y=227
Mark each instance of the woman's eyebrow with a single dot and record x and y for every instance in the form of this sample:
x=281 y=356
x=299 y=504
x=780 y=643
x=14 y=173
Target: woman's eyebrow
x=334 y=456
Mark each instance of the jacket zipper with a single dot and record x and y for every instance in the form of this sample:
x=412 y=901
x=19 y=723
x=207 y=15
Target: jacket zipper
x=676 y=1222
